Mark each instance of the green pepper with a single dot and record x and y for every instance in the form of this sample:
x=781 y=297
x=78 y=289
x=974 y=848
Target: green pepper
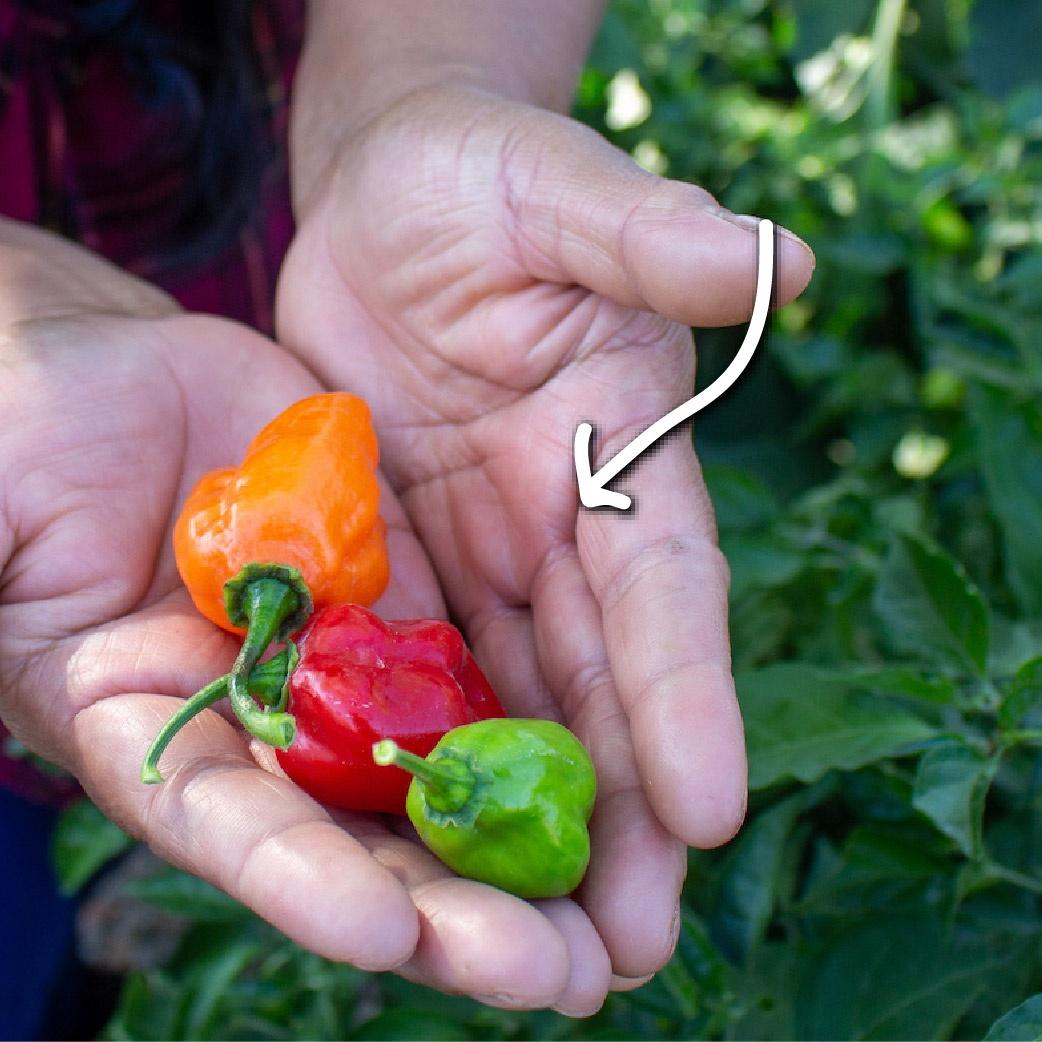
x=504 y=801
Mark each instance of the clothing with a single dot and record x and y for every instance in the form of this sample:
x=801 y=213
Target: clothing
x=36 y=939
x=102 y=151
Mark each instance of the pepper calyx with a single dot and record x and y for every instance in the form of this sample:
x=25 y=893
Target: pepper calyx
x=449 y=782
x=269 y=681
x=241 y=612
x=272 y=601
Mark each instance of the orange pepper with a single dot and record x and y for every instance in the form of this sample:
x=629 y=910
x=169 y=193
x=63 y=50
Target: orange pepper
x=305 y=495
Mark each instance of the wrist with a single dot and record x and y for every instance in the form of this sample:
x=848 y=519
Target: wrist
x=325 y=120
x=363 y=58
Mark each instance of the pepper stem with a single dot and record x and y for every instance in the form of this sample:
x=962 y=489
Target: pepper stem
x=271 y=601
x=269 y=682
x=191 y=707
x=450 y=783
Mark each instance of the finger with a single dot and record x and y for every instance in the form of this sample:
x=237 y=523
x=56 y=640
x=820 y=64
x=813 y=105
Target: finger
x=412 y=592
x=257 y=837
x=502 y=639
x=588 y=959
x=636 y=868
x=463 y=946
x=167 y=647
x=463 y=925
x=661 y=583
x=581 y=211
x=44 y=274
x=628 y=983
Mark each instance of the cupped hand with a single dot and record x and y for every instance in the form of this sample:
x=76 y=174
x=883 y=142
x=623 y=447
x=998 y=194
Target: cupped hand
x=114 y=403
x=488 y=275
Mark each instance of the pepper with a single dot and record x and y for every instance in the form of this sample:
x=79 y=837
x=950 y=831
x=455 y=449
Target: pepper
x=299 y=514
x=504 y=801
x=361 y=679
x=350 y=679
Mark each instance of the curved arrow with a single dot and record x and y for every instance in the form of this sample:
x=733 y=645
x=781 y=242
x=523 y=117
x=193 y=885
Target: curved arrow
x=592 y=492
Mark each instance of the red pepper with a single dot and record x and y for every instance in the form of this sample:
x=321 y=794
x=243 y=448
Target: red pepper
x=352 y=679
x=360 y=680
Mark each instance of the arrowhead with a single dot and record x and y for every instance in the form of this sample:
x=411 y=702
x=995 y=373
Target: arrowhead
x=592 y=492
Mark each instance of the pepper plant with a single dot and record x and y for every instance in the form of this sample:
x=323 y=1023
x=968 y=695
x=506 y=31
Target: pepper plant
x=877 y=476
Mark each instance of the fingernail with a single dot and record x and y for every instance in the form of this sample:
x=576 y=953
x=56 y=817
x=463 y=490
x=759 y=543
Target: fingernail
x=620 y=983
x=674 y=931
x=793 y=237
x=747 y=222
x=501 y=998
x=577 y=1014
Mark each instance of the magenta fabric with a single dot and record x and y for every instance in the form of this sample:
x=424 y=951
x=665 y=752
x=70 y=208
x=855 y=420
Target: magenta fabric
x=81 y=155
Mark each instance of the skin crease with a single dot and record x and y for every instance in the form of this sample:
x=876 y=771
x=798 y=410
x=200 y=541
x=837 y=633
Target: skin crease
x=488 y=274
x=499 y=274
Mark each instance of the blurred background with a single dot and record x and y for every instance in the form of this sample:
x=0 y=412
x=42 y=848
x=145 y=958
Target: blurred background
x=877 y=476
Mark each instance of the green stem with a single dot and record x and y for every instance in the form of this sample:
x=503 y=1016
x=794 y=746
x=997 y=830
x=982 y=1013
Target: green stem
x=1010 y=875
x=269 y=682
x=450 y=783
x=889 y=16
x=1007 y=738
x=271 y=601
x=191 y=707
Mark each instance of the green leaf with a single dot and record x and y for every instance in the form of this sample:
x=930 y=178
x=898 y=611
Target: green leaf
x=819 y=22
x=748 y=888
x=149 y=1005
x=1003 y=48
x=187 y=896
x=905 y=682
x=802 y=721
x=767 y=988
x=411 y=1024
x=931 y=607
x=1013 y=644
x=877 y=864
x=740 y=499
x=759 y=560
x=1024 y=694
x=1023 y=1023
x=1011 y=464
x=215 y=973
x=83 y=841
x=950 y=787
x=899 y=978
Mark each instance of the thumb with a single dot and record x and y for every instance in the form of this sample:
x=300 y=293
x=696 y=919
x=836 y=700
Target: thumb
x=581 y=211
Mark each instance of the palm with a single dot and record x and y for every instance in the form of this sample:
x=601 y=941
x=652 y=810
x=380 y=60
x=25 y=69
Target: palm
x=458 y=271
x=109 y=421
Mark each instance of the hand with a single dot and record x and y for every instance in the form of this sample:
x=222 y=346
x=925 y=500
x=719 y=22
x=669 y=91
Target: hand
x=488 y=275
x=114 y=404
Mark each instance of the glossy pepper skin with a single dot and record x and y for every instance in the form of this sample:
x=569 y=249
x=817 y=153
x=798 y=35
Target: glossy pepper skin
x=353 y=679
x=361 y=679
x=305 y=495
x=506 y=802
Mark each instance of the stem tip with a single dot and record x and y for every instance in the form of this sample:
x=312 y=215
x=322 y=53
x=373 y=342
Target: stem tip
x=384 y=752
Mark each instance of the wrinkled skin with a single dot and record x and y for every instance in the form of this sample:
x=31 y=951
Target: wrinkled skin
x=114 y=404
x=488 y=275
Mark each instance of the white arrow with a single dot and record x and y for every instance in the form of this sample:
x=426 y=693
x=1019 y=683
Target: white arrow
x=591 y=486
